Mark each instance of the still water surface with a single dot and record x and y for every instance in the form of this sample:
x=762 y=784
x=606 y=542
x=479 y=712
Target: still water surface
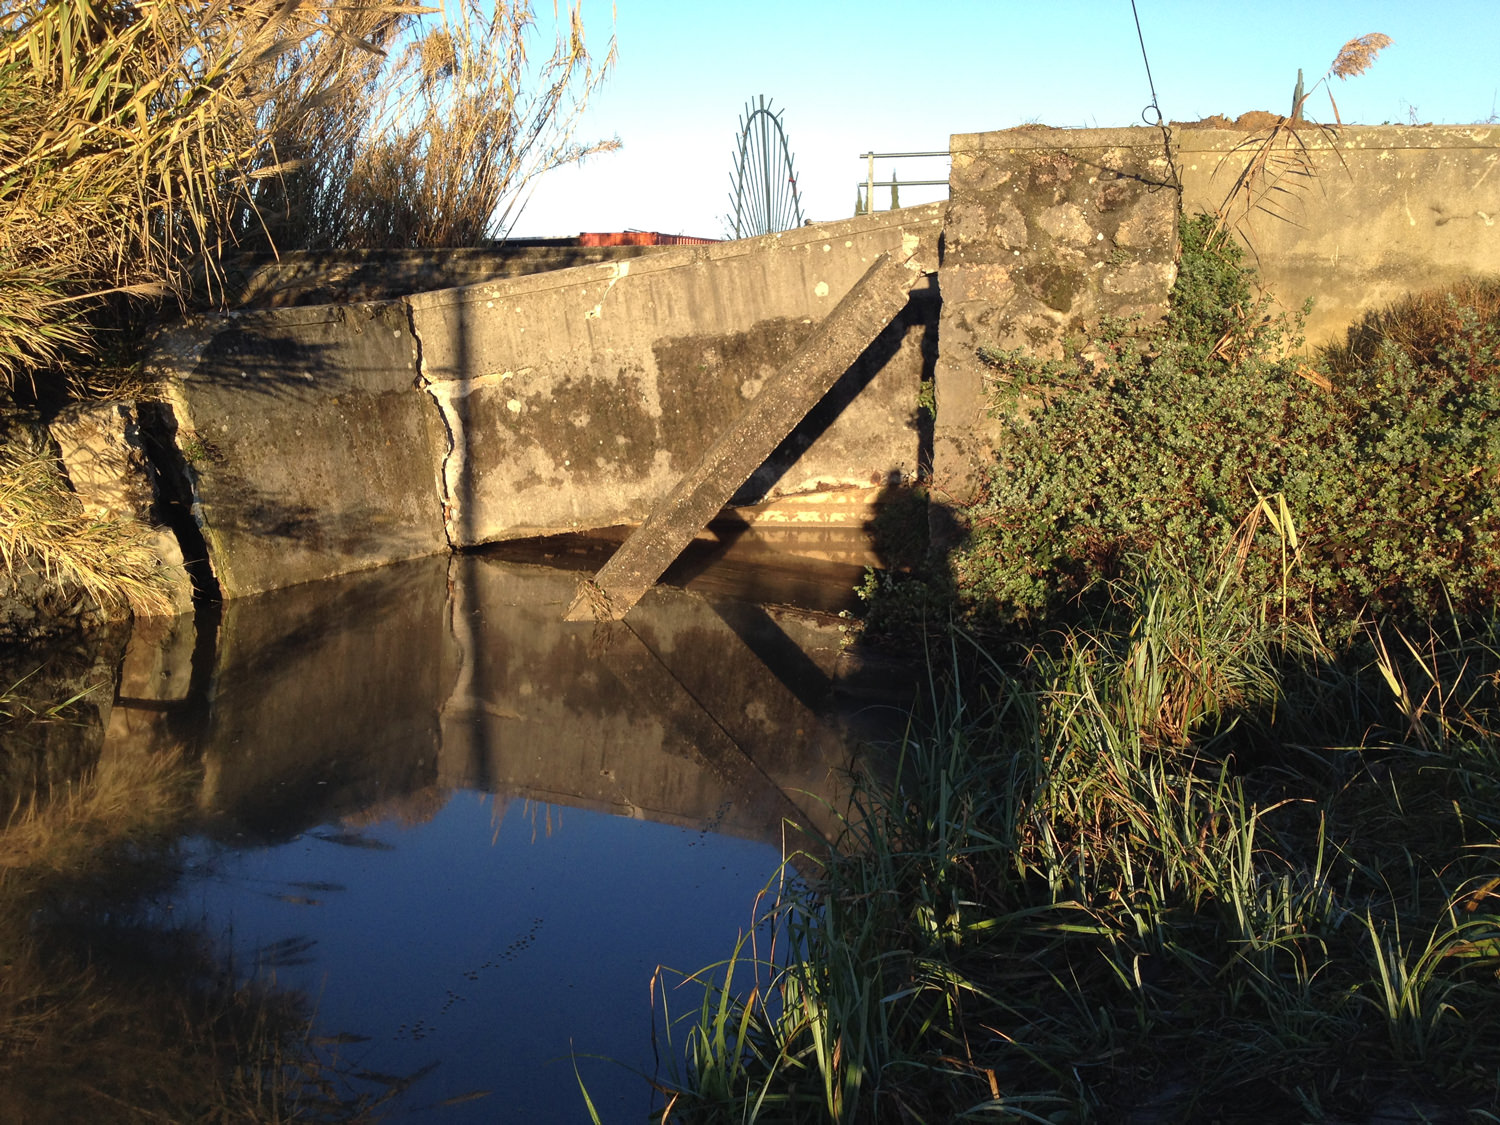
x=470 y=833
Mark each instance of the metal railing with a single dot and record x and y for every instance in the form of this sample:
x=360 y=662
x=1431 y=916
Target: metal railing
x=870 y=183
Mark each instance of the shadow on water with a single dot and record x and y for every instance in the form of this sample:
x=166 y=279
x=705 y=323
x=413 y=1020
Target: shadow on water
x=462 y=829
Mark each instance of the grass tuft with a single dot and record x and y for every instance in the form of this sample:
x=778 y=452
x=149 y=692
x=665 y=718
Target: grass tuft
x=43 y=528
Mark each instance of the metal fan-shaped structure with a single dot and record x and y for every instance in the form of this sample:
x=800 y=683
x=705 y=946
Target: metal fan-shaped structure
x=763 y=186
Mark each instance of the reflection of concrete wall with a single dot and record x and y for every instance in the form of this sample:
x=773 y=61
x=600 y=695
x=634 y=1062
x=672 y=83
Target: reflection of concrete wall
x=325 y=698
x=673 y=718
x=332 y=698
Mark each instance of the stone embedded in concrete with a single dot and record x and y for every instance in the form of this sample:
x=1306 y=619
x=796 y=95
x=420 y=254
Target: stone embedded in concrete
x=104 y=456
x=581 y=396
x=306 y=446
x=783 y=402
x=1048 y=231
x=1390 y=210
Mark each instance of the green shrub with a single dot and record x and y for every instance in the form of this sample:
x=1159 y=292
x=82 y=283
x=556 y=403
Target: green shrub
x=1385 y=453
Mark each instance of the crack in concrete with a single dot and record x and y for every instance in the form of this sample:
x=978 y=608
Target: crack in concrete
x=453 y=432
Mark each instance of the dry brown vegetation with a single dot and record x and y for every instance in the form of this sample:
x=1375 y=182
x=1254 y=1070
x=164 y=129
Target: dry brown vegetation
x=140 y=143
x=43 y=526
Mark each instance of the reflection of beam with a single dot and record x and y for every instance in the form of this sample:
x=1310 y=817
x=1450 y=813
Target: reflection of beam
x=672 y=719
x=766 y=420
x=754 y=713
x=650 y=681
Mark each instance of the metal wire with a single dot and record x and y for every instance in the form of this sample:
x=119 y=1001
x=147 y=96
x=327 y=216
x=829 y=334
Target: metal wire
x=1155 y=106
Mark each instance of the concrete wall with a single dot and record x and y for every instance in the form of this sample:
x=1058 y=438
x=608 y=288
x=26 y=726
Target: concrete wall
x=576 y=399
x=1047 y=230
x=1390 y=209
x=306 y=447
x=325 y=277
x=326 y=439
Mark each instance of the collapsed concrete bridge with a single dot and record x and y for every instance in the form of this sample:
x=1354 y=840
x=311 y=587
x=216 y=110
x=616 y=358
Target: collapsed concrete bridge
x=312 y=441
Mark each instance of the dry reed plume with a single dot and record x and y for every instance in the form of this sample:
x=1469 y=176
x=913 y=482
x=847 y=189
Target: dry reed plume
x=1279 y=165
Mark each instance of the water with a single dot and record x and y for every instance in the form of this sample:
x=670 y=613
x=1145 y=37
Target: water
x=470 y=833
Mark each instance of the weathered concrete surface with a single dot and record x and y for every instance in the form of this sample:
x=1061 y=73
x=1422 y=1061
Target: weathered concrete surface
x=326 y=277
x=1390 y=209
x=1047 y=230
x=746 y=442
x=307 y=449
x=578 y=398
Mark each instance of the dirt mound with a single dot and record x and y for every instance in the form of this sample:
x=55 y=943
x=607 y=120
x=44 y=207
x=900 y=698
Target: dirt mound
x=1252 y=122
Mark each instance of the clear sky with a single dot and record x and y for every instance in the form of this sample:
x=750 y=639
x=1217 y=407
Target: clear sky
x=894 y=77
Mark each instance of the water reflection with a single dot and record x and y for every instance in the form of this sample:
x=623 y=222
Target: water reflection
x=468 y=831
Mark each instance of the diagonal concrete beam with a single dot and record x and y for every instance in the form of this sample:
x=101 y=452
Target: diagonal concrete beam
x=783 y=402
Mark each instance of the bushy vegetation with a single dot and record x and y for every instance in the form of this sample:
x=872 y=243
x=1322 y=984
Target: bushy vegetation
x=1200 y=822
x=1386 y=453
x=1179 y=862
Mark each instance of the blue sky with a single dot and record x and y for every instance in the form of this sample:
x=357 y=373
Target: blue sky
x=851 y=77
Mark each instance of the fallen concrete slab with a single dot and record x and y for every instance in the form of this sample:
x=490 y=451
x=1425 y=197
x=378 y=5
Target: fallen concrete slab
x=783 y=402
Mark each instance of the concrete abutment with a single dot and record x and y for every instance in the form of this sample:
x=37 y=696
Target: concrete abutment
x=322 y=439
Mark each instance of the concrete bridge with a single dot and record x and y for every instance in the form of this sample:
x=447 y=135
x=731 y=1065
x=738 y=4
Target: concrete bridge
x=317 y=440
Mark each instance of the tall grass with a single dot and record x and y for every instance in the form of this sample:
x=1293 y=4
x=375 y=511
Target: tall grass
x=437 y=141
x=44 y=528
x=1179 y=861
x=140 y=143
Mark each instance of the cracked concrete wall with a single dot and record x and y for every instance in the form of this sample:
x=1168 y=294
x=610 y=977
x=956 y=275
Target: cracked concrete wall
x=306 y=447
x=322 y=440
x=578 y=398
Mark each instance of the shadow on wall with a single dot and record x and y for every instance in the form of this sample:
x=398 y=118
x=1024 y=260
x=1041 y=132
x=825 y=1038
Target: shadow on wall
x=919 y=316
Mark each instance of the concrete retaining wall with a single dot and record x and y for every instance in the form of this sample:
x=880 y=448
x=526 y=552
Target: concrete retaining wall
x=1047 y=231
x=306 y=446
x=576 y=399
x=321 y=440
x=327 y=439
x=1389 y=210
x=325 y=277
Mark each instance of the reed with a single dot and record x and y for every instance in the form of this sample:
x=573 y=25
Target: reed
x=43 y=527
x=1181 y=859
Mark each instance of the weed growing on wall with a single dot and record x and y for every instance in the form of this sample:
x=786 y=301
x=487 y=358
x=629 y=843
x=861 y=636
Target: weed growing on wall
x=1384 y=454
